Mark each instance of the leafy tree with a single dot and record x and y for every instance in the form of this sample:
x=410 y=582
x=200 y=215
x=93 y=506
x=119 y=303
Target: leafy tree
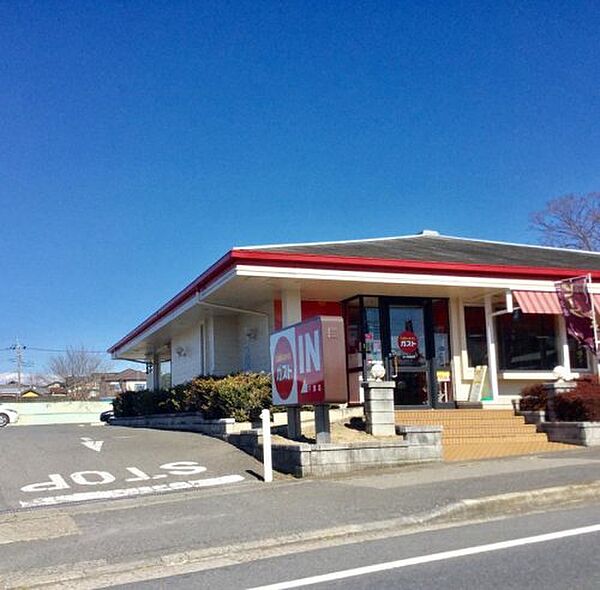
x=571 y=221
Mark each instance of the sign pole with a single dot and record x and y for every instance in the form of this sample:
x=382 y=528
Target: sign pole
x=322 y=424
x=593 y=311
x=265 y=416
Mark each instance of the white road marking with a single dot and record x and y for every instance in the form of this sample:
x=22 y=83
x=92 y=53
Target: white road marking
x=94 y=445
x=422 y=559
x=129 y=492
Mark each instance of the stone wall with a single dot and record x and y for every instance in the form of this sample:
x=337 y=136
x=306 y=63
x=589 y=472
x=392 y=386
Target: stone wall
x=415 y=444
x=585 y=434
x=190 y=422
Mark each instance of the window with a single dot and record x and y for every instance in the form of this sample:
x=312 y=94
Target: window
x=476 y=336
x=578 y=355
x=526 y=342
x=373 y=351
x=441 y=332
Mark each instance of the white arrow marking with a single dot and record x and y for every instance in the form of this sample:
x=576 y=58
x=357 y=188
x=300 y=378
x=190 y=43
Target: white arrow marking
x=94 y=445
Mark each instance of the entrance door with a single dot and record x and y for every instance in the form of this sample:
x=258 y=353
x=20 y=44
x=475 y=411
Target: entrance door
x=408 y=350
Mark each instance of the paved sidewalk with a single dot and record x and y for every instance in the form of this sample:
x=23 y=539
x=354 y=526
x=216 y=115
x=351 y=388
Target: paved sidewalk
x=159 y=527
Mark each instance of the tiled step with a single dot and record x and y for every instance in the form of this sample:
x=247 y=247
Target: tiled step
x=486 y=429
x=479 y=434
x=453 y=413
x=496 y=439
x=472 y=451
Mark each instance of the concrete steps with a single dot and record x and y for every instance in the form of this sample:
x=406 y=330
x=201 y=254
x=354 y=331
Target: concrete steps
x=480 y=434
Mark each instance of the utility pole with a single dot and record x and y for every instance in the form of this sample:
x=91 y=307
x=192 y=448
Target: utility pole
x=19 y=360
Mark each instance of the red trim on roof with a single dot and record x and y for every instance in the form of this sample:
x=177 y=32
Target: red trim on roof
x=400 y=265
x=203 y=280
x=281 y=259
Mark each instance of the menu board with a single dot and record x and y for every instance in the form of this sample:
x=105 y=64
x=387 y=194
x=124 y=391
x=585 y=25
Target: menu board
x=479 y=379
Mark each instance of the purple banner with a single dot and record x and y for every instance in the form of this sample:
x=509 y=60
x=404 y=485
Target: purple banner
x=577 y=308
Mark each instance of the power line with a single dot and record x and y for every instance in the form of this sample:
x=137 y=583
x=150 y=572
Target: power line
x=66 y=350
x=35 y=349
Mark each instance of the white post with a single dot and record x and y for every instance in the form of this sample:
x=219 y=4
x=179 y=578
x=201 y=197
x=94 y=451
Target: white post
x=291 y=306
x=455 y=306
x=155 y=372
x=265 y=416
x=490 y=330
x=291 y=313
x=564 y=344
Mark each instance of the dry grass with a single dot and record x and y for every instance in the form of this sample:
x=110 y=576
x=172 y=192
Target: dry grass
x=341 y=432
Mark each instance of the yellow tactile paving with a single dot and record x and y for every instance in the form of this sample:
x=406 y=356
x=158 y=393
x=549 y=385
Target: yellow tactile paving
x=482 y=434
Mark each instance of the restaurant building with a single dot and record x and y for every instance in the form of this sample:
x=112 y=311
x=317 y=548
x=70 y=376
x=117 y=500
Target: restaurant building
x=430 y=308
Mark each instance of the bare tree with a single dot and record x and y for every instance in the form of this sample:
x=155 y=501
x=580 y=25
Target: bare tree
x=571 y=221
x=78 y=369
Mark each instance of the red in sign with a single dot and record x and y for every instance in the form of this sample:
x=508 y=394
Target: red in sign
x=408 y=343
x=283 y=369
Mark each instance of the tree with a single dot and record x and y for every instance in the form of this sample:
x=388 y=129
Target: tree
x=571 y=221
x=78 y=369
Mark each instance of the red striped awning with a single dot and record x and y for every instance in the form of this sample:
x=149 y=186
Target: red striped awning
x=538 y=301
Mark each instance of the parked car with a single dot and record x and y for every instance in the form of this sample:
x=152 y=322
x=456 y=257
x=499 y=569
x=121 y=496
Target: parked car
x=7 y=416
x=107 y=416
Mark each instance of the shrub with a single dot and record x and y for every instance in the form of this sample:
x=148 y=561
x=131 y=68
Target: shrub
x=141 y=403
x=581 y=404
x=533 y=397
x=241 y=396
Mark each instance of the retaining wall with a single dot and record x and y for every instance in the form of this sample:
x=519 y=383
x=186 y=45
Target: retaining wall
x=414 y=444
x=68 y=412
x=192 y=422
x=586 y=434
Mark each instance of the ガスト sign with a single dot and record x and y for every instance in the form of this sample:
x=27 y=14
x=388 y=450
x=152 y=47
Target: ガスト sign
x=308 y=363
x=408 y=343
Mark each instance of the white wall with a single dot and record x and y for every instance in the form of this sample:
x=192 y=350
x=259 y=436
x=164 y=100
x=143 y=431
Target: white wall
x=68 y=412
x=187 y=365
x=253 y=343
x=227 y=357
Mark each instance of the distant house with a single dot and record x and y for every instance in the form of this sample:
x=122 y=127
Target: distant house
x=30 y=392
x=107 y=384
x=13 y=390
x=56 y=389
x=9 y=391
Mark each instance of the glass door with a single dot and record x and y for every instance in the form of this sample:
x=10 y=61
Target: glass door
x=407 y=351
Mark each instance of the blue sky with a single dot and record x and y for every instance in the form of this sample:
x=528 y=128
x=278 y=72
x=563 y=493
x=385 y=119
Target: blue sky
x=141 y=140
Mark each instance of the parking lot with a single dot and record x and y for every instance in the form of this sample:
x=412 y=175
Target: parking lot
x=64 y=464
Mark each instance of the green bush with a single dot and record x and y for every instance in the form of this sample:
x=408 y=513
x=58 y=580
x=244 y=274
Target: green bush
x=241 y=396
x=533 y=397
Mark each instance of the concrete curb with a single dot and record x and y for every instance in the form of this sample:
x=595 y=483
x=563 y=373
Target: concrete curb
x=101 y=574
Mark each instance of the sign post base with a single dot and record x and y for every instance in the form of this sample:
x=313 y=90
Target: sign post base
x=294 y=424
x=322 y=424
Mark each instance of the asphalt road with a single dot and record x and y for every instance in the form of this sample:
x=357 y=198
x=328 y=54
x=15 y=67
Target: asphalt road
x=146 y=537
x=65 y=464
x=472 y=560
